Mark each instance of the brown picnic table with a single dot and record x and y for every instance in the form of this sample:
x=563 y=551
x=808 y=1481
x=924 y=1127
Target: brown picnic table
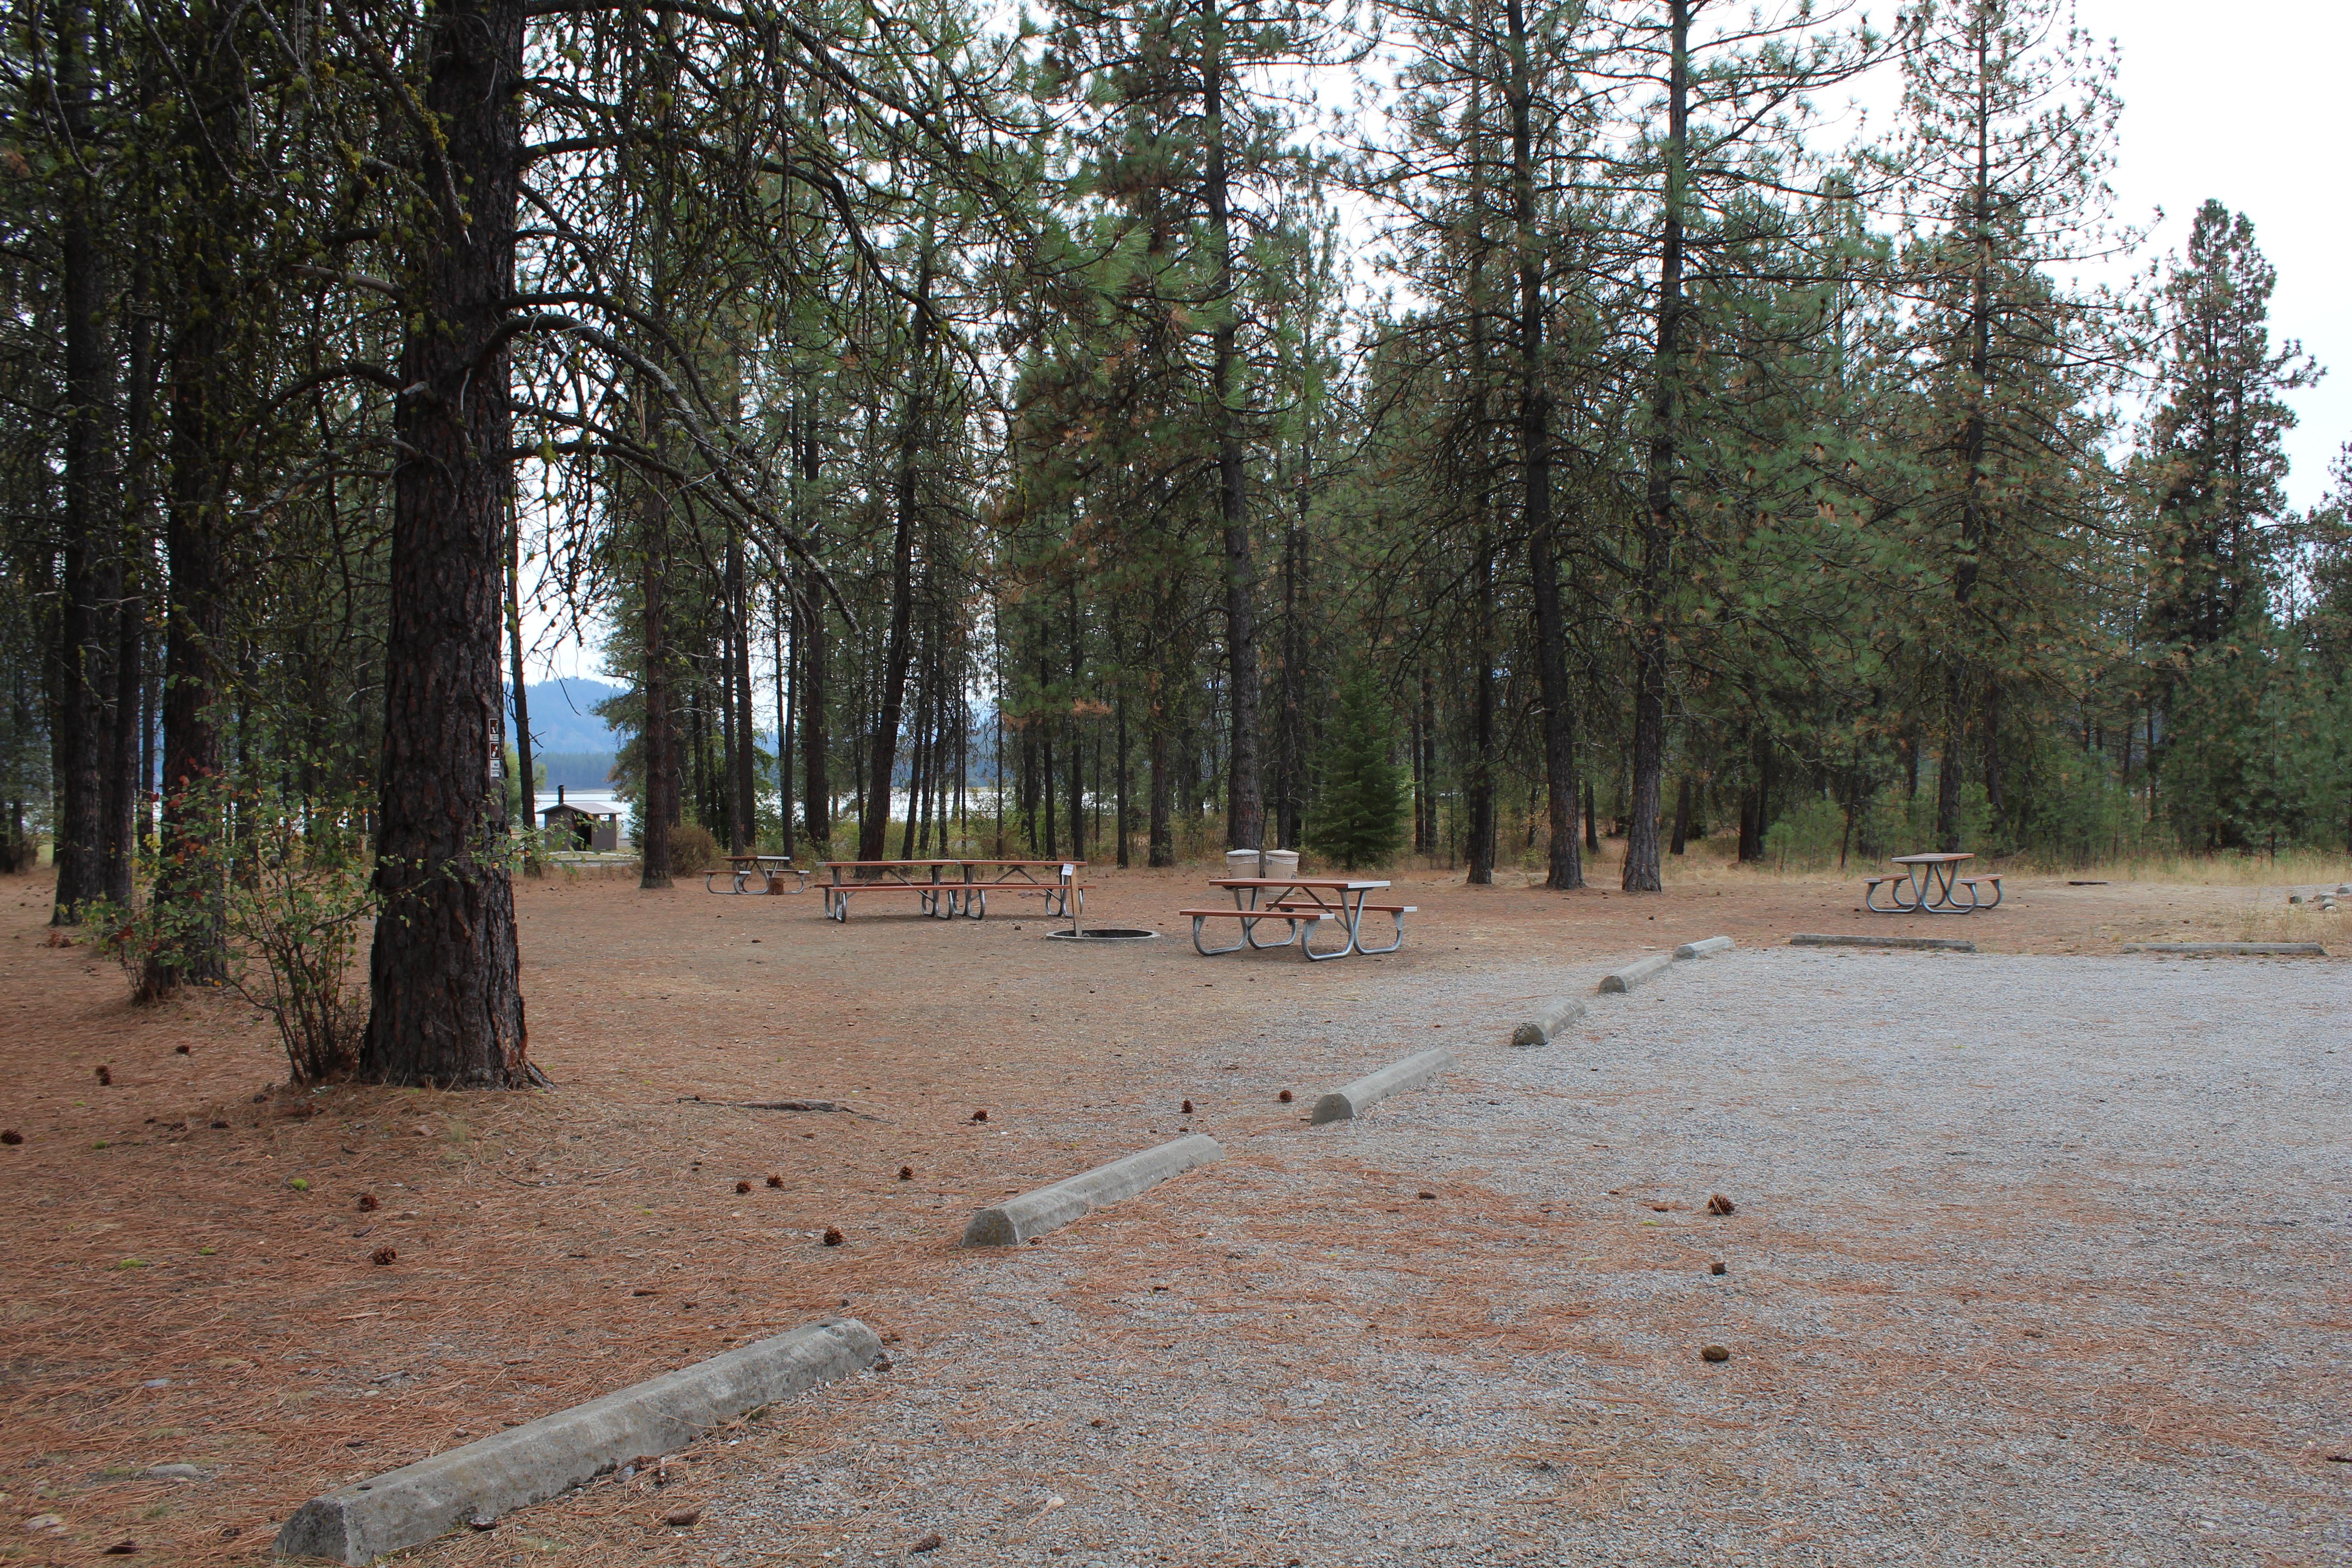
x=1930 y=884
x=757 y=874
x=1305 y=903
x=945 y=888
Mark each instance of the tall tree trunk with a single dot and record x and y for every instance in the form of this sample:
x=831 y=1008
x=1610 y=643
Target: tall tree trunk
x=1160 y=830
x=1244 y=799
x=1121 y=774
x=747 y=746
x=1973 y=510
x=1682 y=815
x=124 y=780
x=788 y=692
x=526 y=778
x=875 y=825
x=1427 y=841
x=447 y=987
x=816 y=789
x=190 y=946
x=1566 y=866
x=1480 y=783
x=92 y=551
x=660 y=809
x=1656 y=567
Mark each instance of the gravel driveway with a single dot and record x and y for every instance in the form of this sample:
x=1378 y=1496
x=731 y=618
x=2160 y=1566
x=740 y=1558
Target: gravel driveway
x=2032 y=1260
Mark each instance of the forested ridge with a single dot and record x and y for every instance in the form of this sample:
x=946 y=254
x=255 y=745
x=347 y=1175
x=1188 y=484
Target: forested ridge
x=1008 y=431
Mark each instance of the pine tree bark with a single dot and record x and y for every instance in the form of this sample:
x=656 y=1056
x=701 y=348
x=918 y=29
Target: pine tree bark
x=126 y=778
x=189 y=888
x=746 y=814
x=525 y=774
x=1655 y=569
x=445 y=975
x=874 y=825
x=1973 y=435
x=788 y=691
x=93 y=558
x=1245 y=798
x=1480 y=785
x=1565 y=868
x=659 y=810
x=816 y=793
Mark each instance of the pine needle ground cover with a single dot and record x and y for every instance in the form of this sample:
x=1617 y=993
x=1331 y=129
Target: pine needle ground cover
x=184 y=1294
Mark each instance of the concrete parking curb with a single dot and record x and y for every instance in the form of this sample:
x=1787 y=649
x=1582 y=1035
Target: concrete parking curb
x=1353 y=1101
x=539 y=1459
x=1926 y=943
x=2228 y=949
x=1634 y=973
x=1015 y=1220
x=1704 y=946
x=1549 y=1025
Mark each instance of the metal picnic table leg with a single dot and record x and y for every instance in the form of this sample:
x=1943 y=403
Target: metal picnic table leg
x=1346 y=927
x=1249 y=927
x=1212 y=952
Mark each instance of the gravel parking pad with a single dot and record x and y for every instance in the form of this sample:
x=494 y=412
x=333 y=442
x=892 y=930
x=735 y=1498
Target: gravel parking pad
x=2033 y=1259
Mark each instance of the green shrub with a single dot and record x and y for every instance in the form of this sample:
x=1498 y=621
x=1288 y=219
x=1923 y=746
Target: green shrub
x=1807 y=838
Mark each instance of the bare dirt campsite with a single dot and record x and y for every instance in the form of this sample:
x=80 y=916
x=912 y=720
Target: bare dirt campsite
x=2035 y=1255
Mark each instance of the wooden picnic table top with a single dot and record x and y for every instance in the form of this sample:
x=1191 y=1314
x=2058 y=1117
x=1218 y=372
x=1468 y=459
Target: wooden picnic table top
x=1007 y=860
x=1343 y=883
x=758 y=859
x=1937 y=860
x=852 y=865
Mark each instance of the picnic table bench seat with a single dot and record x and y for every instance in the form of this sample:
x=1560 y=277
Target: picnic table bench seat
x=769 y=869
x=1395 y=912
x=1310 y=917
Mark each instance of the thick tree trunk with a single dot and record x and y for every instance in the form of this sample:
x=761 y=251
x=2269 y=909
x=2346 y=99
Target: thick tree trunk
x=189 y=890
x=875 y=824
x=1566 y=867
x=1244 y=797
x=447 y=996
x=1657 y=567
x=92 y=552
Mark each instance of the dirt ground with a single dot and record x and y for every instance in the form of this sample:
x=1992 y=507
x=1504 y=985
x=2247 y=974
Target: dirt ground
x=191 y=1283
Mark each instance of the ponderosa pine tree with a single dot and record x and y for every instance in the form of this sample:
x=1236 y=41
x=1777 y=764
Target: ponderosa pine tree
x=2007 y=130
x=2215 y=442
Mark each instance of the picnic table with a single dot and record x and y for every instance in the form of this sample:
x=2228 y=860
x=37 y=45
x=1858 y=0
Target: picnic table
x=1930 y=884
x=769 y=871
x=1304 y=903
x=945 y=888
x=1053 y=881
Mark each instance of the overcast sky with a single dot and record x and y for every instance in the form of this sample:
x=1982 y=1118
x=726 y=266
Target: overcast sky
x=2247 y=102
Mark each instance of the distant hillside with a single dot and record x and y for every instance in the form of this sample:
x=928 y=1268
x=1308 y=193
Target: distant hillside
x=562 y=717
